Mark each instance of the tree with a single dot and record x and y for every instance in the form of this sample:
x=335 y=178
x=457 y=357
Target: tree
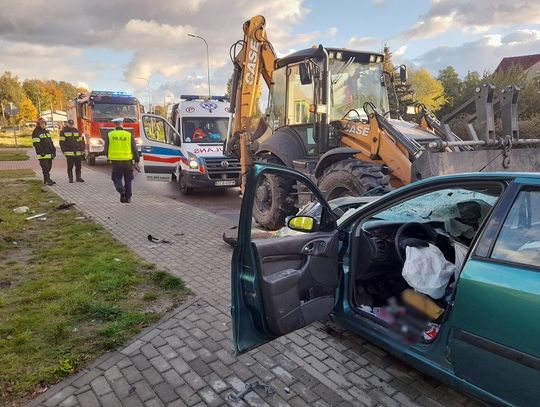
x=27 y=112
x=160 y=110
x=452 y=85
x=10 y=92
x=428 y=90
x=388 y=65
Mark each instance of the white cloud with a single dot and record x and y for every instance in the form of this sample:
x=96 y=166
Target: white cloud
x=483 y=54
x=151 y=37
x=474 y=16
x=362 y=42
x=40 y=51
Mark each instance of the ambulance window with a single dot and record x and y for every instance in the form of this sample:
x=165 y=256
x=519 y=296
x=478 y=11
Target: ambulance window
x=154 y=128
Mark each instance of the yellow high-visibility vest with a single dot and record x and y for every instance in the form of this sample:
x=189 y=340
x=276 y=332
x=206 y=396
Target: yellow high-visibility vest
x=120 y=145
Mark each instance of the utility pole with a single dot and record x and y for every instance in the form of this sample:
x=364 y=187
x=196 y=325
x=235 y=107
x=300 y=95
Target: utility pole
x=207 y=61
x=149 y=94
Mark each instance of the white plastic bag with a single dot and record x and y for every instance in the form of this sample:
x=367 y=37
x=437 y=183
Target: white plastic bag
x=427 y=271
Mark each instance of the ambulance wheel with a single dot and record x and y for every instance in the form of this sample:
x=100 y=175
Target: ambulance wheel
x=182 y=184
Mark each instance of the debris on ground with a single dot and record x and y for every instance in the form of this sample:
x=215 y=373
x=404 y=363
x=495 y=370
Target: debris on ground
x=39 y=215
x=21 y=209
x=157 y=240
x=249 y=388
x=230 y=240
x=80 y=217
x=65 y=206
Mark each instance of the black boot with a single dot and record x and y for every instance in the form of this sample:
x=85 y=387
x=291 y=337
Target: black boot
x=70 y=178
x=79 y=179
x=78 y=176
x=123 y=197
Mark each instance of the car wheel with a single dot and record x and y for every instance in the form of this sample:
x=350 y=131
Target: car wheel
x=273 y=199
x=182 y=185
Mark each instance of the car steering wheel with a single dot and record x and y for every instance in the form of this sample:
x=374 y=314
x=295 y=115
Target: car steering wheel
x=401 y=241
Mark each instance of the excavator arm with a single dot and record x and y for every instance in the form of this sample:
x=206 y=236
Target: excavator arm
x=254 y=61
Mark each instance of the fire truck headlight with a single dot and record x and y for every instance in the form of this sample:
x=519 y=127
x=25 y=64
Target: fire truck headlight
x=96 y=141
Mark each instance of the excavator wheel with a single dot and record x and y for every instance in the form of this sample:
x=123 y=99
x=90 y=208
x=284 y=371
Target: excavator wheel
x=353 y=177
x=273 y=202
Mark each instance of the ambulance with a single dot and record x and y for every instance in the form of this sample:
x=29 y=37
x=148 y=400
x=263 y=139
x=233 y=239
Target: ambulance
x=188 y=148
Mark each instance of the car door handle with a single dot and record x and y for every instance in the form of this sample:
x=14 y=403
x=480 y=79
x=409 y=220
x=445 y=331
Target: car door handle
x=308 y=249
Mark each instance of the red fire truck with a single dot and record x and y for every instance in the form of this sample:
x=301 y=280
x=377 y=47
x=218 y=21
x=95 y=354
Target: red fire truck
x=93 y=112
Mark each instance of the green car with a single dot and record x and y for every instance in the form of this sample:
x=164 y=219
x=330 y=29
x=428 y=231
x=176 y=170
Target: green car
x=443 y=273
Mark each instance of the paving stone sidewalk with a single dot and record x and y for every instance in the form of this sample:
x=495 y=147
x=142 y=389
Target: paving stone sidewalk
x=187 y=358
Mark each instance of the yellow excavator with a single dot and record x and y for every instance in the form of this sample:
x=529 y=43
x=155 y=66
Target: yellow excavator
x=329 y=117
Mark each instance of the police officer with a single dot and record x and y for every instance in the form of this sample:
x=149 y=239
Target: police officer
x=72 y=145
x=121 y=150
x=45 y=149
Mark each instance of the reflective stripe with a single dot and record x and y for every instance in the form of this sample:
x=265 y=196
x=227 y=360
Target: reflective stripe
x=62 y=138
x=45 y=157
x=69 y=153
x=36 y=139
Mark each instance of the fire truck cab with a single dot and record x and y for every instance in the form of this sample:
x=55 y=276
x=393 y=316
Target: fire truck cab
x=93 y=112
x=189 y=146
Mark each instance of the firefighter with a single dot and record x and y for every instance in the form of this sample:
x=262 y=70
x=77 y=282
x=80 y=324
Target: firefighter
x=121 y=150
x=72 y=145
x=45 y=150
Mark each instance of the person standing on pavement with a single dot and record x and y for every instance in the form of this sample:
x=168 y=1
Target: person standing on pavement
x=72 y=145
x=121 y=150
x=45 y=149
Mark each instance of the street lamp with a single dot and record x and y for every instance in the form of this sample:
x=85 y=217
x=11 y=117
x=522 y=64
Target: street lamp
x=207 y=61
x=149 y=94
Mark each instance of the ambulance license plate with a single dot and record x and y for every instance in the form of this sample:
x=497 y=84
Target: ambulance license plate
x=224 y=183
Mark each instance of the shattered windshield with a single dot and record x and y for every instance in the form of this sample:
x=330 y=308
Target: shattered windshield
x=352 y=85
x=461 y=210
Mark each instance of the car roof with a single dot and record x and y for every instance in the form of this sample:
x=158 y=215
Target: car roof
x=480 y=175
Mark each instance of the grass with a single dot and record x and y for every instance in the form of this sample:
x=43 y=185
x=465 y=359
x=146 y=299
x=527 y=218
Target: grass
x=16 y=174
x=24 y=139
x=13 y=156
x=68 y=291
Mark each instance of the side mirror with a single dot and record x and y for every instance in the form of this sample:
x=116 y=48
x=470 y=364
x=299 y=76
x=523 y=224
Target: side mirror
x=403 y=73
x=306 y=77
x=302 y=223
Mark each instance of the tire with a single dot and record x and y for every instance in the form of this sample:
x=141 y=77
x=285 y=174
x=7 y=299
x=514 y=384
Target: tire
x=273 y=199
x=353 y=177
x=182 y=185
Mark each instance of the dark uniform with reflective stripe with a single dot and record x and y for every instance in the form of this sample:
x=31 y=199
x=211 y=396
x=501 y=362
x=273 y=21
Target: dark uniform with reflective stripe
x=122 y=150
x=72 y=145
x=45 y=150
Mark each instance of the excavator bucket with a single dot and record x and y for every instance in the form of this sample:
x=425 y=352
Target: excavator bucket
x=430 y=164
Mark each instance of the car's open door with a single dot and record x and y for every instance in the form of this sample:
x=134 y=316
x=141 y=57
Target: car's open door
x=280 y=284
x=160 y=148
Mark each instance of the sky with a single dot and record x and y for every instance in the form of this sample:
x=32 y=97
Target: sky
x=142 y=46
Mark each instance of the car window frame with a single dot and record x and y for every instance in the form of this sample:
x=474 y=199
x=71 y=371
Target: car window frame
x=494 y=229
